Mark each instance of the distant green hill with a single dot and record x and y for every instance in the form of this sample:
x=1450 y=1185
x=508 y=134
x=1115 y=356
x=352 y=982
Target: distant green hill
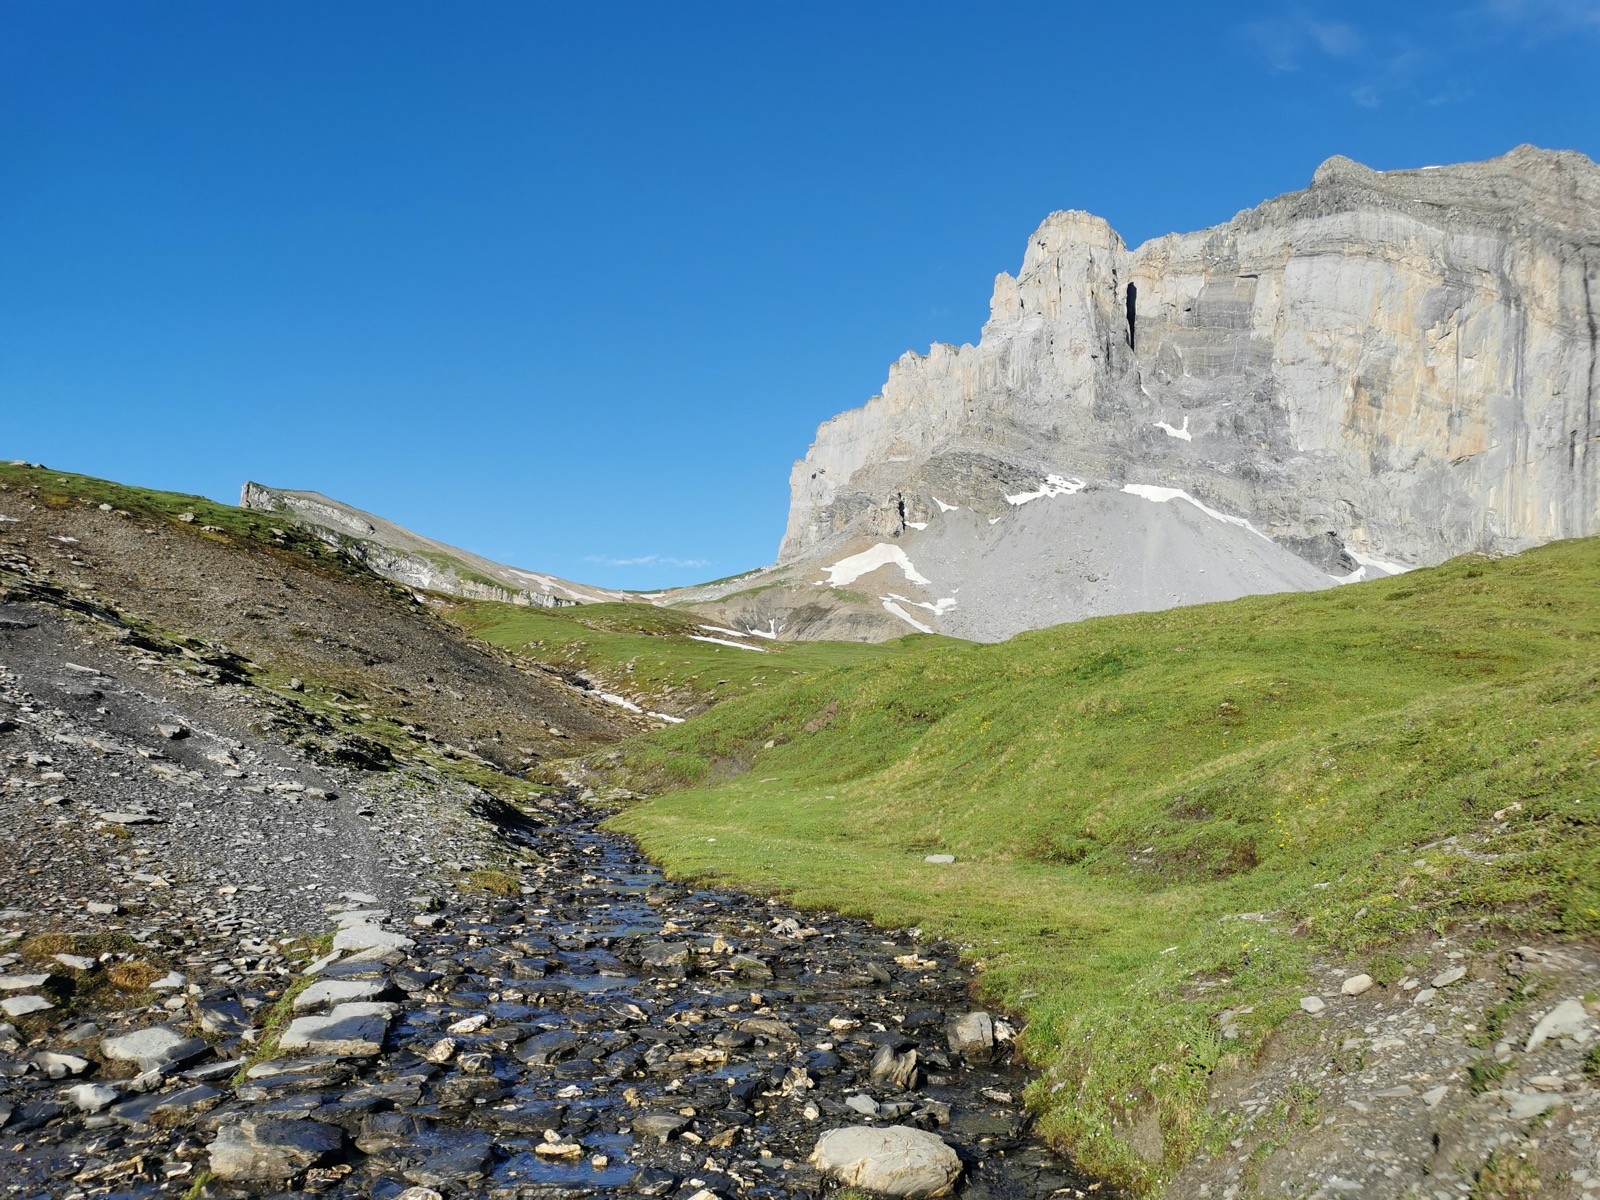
x=1340 y=769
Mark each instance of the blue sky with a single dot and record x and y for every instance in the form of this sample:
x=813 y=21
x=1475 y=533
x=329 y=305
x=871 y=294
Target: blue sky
x=572 y=285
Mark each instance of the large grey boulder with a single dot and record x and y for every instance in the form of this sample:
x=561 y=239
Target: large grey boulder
x=971 y=1035
x=893 y=1161
x=271 y=1151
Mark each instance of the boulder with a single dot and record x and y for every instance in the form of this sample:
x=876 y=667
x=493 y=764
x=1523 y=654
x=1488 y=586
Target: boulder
x=894 y=1161
x=971 y=1035
x=271 y=1151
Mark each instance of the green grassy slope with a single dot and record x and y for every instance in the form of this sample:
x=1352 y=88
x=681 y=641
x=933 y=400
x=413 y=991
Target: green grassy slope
x=650 y=654
x=1161 y=816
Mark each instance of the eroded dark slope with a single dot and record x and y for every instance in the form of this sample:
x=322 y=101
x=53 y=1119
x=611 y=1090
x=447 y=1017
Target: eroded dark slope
x=263 y=590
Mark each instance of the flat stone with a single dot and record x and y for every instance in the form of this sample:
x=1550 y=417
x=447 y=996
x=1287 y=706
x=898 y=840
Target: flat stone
x=157 y=1046
x=660 y=1126
x=326 y=992
x=22 y=1006
x=77 y=962
x=1434 y=1096
x=1567 y=1019
x=22 y=983
x=370 y=937
x=92 y=1097
x=893 y=1161
x=1356 y=984
x=352 y=1030
x=59 y=1066
x=1313 y=1004
x=1524 y=1105
x=114 y=817
x=143 y=1109
x=939 y=859
x=271 y=1151
x=1445 y=978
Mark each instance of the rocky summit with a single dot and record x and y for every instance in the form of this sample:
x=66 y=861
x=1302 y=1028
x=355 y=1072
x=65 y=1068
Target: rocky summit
x=1376 y=373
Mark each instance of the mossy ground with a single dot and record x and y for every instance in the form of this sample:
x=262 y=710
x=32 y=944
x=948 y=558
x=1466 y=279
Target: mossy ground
x=1159 y=816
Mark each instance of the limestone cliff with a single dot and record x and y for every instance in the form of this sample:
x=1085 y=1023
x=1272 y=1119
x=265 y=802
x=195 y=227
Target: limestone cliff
x=1391 y=365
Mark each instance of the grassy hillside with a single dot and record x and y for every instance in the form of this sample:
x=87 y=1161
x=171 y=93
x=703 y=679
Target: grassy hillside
x=650 y=654
x=1162 y=816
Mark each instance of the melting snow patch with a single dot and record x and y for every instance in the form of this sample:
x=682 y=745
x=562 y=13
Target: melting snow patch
x=943 y=507
x=938 y=609
x=619 y=701
x=720 y=629
x=1177 y=433
x=1378 y=564
x=916 y=524
x=13 y=520
x=1355 y=576
x=770 y=632
x=994 y=520
x=1161 y=495
x=850 y=569
x=695 y=637
x=1054 y=485
x=667 y=717
x=891 y=606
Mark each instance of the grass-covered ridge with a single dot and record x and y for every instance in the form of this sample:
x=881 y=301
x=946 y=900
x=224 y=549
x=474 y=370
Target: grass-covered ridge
x=651 y=653
x=1161 y=816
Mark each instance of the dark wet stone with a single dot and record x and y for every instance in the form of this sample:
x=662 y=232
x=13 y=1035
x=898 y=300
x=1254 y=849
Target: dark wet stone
x=544 y=1049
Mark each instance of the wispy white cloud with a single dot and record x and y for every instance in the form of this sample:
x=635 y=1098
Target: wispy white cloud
x=1289 y=40
x=649 y=560
x=1538 y=21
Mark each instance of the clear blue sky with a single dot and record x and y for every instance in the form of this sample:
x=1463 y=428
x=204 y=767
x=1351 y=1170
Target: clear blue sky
x=572 y=285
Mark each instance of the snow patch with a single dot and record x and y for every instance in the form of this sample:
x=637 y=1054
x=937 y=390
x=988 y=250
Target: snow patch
x=850 y=569
x=1177 y=433
x=1378 y=564
x=1162 y=495
x=891 y=606
x=667 y=717
x=695 y=637
x=720 y=629
x=938 y=609
x=619 y=701
x=916 y=524
x=770 y=632
x=1355 y=576
x=13 y=520
x=943 y=507
x=1054 y=485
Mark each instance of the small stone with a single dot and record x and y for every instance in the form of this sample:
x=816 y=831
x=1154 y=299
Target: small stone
x=1425 y=996
x=59 y=1066
x=939 y=859
x=661 y=1126
x=971 y=1035
x=92 y=1097
x=441 y=1051
x=469 y=1024
x=1445 y=978
x=1434 y=1096
x=1356 y=984
x=77 y=962
x=1313 y=1004
x=172 y=731
x=126 y=818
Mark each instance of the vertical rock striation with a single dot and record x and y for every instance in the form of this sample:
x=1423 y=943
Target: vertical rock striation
x=1402 y=365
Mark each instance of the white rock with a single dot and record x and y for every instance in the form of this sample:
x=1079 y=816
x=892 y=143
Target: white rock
x=1445 y=978
x=892 y=1161
x=939 y=859
x=23 y=1006
x=326 y=992
x=22 y=983
x=1356 y=984
x=1567 y=1019
x=92 y=1097
x=1313 y=1004
x=370 y=937
x=156 y=1046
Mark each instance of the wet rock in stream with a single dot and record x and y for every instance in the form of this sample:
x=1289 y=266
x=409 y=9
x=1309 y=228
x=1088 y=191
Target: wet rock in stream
x=605 y=1033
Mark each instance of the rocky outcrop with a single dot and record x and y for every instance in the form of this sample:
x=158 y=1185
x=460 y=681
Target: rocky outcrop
x=1388 y=365
x=415 y=561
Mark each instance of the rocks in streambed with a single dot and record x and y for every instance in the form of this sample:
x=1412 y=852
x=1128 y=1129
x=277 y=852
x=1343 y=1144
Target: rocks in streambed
x=271 y=1151
x=892 y=1161
x=153 y=1047
x=352 y=1030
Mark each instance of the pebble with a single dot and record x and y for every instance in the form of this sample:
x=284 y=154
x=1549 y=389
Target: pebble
x=1313 y=1004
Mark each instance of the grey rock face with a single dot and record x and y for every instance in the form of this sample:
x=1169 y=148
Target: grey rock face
x=1386 y=368
x=894 y=1161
